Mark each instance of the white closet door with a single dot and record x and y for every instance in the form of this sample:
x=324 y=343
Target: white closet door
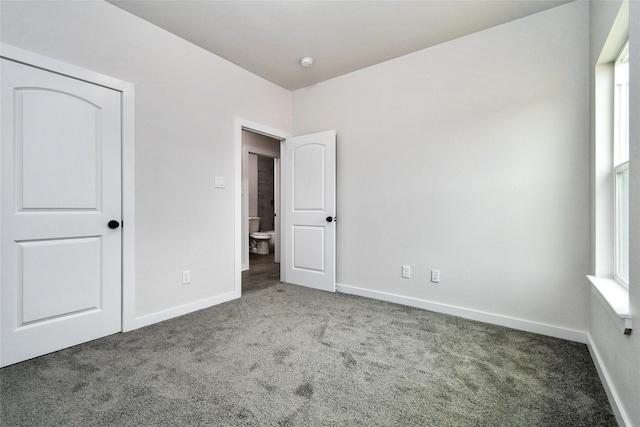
x=61 y=186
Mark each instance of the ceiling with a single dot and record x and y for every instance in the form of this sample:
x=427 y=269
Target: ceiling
x=268 y=38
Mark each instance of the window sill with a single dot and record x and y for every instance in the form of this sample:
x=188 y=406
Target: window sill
x=615 y=297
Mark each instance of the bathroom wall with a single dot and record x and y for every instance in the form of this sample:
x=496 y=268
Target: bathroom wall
x=260 y=144
x=265 y=193
x=267 y=149
x=186 y=100
x=470 y=157
x=260 y=189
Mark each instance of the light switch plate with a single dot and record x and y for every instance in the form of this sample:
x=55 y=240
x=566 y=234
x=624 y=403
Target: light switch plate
x=186 y=277
x=219 y=182
x=406 y=271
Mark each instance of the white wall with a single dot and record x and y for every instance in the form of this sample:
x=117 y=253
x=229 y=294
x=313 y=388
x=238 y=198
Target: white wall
x=471 y=157
x=619 y=355
x=186 y=101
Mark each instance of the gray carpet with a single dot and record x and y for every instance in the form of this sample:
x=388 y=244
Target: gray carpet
x=292 y=356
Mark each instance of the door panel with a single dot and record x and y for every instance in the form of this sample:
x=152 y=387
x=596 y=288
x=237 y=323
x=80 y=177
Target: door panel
x=309 y=177
x=310 y=197
x=69 y=119
x=308 y=248
x=61 y=264
x=59 y=278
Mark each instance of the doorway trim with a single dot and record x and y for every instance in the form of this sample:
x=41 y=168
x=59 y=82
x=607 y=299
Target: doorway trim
x=128 y=321
x=241 y=124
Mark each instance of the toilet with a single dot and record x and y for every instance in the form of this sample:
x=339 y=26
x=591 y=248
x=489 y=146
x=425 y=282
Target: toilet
x=258 y=241
x=262 y=242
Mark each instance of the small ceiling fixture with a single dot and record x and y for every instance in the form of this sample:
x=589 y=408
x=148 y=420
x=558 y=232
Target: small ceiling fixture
x=306 y=62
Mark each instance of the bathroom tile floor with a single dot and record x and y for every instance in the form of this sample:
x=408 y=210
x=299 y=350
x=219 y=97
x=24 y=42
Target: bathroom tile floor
x=263 y=273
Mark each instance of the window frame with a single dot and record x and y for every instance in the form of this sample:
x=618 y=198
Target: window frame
x=621 y=163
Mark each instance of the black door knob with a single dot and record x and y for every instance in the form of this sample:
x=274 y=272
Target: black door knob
x=329 y=219
x=113 y=224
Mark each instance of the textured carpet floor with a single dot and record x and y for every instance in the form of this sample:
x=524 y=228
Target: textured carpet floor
x=292 y=356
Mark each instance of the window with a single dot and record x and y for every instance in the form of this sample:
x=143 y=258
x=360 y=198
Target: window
x=621 y=165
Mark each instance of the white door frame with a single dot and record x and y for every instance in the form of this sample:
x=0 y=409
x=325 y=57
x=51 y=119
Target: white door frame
x=128 y=161
x=240 y=219
x=277 y=226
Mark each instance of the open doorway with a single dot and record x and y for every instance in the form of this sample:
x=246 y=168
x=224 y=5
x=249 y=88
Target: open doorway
x=260 y=210
x=308 y=255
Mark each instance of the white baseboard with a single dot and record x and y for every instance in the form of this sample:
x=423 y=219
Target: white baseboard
x=170 y=313
x=481 y=316
x=614 y=399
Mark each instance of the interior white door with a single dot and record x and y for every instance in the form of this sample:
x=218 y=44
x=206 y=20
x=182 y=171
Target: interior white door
x=309 y=231
x=61 y=261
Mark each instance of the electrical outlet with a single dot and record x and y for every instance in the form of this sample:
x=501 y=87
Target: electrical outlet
x=435 y=276
x=406 y=271
x=219 y=182
x=186 y=277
